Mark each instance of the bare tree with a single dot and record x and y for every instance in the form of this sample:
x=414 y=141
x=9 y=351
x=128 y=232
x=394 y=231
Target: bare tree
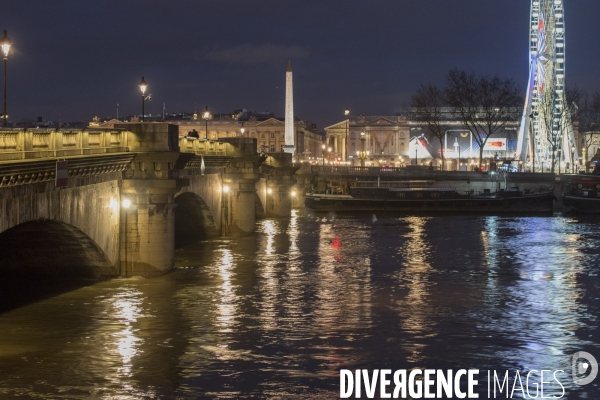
x=555 y=121
x=428 y=104
x=589 y=122
x=484 y=104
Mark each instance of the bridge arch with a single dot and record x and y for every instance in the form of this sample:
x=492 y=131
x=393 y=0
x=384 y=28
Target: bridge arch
x=42 y=258
x=48 y=247
x=93 y=209
x=193 y=219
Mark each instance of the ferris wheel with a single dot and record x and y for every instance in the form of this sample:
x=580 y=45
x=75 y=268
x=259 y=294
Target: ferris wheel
x=546 y=128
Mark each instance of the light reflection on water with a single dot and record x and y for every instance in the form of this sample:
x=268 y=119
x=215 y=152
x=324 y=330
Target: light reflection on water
x=277 y=314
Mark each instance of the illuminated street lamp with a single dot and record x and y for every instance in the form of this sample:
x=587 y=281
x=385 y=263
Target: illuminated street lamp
x=362 y=155
x=206 y=117
x=242 y=129
x=323 y=154
x=5 y=42
x=143 y=86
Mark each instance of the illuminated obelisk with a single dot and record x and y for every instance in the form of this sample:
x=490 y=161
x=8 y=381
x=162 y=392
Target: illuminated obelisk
x=289 y=146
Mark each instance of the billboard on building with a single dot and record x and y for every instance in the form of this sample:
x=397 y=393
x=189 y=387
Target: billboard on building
x=495 y=144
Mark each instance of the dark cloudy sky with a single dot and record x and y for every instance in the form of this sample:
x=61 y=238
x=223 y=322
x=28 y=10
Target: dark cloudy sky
x=74 y=59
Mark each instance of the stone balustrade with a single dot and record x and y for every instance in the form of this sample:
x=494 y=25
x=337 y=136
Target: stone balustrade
x=204 y=147
x=230 y=147
x=44 y=143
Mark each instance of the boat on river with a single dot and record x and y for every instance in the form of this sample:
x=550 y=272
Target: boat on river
x=433 y=199
x=583 y=194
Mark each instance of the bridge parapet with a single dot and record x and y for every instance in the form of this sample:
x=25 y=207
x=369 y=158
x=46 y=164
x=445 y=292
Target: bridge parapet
x=231 y=147
x=45 y=143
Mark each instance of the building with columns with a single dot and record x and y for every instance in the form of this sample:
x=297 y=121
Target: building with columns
x=400 y=140
x=386 y=139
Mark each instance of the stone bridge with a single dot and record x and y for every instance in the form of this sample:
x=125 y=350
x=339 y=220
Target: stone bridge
x=132 y=192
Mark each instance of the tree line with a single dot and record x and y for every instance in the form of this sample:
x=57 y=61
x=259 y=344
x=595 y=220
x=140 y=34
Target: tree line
x=487 y=104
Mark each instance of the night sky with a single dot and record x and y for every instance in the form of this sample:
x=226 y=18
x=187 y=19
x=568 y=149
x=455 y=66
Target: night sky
x=72 y=60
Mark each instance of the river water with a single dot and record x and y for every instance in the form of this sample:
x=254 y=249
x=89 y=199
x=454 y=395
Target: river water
x=279 y=313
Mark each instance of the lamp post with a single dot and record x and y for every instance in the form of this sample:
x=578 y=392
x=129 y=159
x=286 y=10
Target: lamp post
x=5 y=43
x=346 y=113
x=323 y=154
x=363 y=155
x=206 y=117
x=143 y=87
x=242 y=129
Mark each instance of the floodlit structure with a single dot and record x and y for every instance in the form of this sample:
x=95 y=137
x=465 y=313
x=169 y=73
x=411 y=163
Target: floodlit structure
x=546 y=131
x=289 y=146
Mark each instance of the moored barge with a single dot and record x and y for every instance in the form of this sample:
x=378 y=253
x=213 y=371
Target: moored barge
x=432 y=200
x=583 y=194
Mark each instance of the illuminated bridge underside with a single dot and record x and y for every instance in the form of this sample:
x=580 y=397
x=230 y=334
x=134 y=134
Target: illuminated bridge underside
x=544 y=119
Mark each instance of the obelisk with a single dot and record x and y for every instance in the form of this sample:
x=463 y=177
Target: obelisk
x=289 y=146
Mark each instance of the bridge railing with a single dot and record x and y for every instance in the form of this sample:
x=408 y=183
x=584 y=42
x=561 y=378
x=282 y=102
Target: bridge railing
x=43 y=143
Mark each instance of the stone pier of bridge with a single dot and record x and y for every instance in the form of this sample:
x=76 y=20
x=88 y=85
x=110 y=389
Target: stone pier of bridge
x=131 y=193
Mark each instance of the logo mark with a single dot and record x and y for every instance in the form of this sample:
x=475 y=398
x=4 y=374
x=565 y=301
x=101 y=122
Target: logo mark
x=583 y=364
